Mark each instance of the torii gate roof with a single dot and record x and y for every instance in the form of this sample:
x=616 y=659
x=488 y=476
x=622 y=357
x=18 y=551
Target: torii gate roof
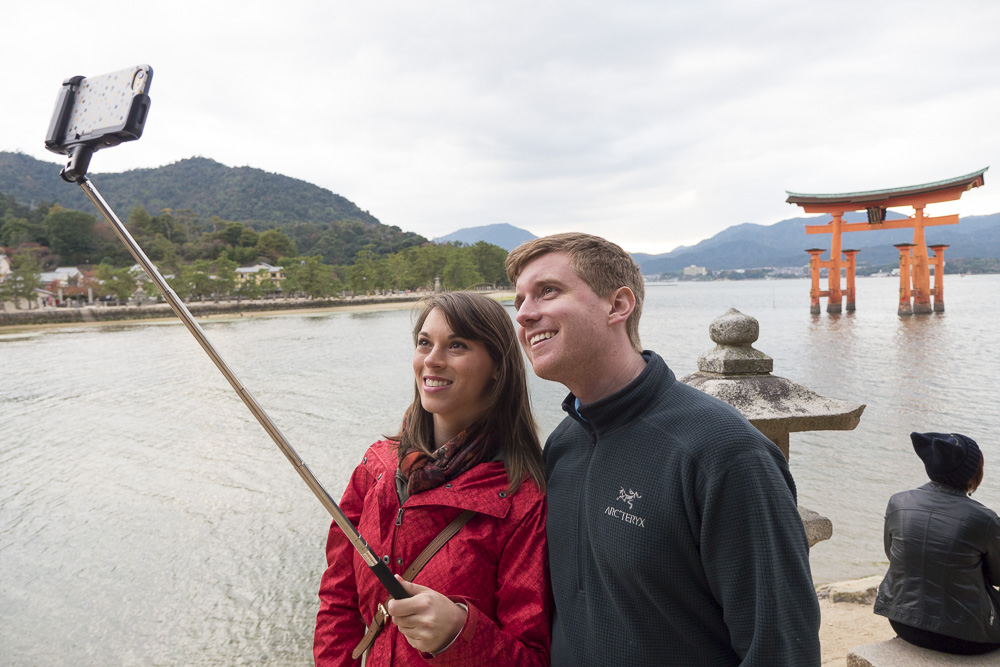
x=937 y=191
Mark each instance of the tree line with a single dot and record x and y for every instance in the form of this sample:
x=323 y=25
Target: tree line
x=200 y=257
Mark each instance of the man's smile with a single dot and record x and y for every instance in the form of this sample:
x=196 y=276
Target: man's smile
x=538 y=337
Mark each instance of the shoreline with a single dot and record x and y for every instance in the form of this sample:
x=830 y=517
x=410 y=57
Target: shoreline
x=162 y=313
x=848 y=619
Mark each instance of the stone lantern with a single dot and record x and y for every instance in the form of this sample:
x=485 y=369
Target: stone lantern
x=740 y=375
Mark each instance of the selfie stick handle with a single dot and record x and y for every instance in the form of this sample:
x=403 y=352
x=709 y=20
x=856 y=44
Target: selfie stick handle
x=378 y=567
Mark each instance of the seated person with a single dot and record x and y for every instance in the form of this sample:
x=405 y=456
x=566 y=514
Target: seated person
x=944 y=553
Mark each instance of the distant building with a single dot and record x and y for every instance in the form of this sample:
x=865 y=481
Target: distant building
x=62 y=276
x=4 y=266
x=694 y=270
x=275 y=274
x=797 y=271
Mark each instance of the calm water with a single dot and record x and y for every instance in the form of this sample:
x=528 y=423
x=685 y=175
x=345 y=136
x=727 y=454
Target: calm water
x=146 y=518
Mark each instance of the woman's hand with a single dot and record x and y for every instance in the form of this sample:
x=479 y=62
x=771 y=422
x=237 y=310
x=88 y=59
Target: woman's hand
x=427 y=619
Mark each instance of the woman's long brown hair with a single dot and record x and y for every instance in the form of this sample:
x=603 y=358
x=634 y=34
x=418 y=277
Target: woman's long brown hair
x=508 y=414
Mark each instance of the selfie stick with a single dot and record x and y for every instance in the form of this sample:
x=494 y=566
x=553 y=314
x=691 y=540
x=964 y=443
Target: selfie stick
x=379 y=568
x=80 y=149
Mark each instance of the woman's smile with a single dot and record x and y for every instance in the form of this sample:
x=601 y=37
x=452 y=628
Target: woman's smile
x=453 y=375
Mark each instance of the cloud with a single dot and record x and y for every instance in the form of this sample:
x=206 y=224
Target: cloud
x=655 y=124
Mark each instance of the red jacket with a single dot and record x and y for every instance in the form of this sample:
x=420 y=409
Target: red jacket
x=496 y=564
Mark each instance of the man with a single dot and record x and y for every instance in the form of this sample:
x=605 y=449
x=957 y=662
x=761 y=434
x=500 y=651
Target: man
x=674 y=537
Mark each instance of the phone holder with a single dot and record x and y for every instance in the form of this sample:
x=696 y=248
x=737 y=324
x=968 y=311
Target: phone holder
x=98 y=112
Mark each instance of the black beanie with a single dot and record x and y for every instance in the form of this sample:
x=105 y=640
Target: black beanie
x=949 y=458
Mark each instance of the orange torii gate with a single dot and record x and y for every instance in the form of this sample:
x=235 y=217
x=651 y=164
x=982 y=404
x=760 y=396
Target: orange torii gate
x=914 y=270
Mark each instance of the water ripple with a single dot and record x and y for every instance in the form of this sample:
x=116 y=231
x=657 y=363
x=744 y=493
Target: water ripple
x=145 y=513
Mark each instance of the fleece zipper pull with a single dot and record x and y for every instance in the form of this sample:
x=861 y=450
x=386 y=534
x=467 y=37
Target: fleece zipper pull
x=399 y=517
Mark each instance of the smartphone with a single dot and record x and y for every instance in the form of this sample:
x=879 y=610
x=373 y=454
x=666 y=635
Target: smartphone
x=100 y=111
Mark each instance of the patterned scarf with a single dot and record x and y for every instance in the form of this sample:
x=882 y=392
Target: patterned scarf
x=463 y=452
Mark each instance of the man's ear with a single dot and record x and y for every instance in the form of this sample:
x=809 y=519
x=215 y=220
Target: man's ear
x=622 y=304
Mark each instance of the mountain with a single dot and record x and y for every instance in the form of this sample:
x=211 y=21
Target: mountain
x=206 y=187
x=322 y=222
x=749 y=245
x=784 y=243
x=506 y=236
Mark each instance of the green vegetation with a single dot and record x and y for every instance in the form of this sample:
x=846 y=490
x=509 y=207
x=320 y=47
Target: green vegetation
x=975 y=265
x=24 y=279
x=189 y=200
x=872 y=269
x=747 y=274
x=740 y=274
x=205 y=187
x=951 y=266
x=201 y=256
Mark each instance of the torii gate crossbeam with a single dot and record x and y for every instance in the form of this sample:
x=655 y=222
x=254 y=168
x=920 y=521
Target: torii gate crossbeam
x=914 y=261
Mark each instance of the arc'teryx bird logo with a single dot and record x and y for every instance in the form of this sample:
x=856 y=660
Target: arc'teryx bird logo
x=622 y=515
x=628 y=497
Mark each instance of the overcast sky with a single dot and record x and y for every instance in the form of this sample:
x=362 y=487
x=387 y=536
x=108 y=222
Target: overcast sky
x=654 y=124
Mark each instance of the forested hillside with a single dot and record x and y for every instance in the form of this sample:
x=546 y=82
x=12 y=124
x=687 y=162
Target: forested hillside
x=199 y=221
x=206 y=187
x=201 y=258
x=202 y=195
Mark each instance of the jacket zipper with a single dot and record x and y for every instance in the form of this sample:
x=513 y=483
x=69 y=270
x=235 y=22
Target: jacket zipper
x=399 y=517
x=581 y=519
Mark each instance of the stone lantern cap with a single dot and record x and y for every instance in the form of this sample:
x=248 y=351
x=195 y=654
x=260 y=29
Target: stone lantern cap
x=740 y=375
x=734 y=334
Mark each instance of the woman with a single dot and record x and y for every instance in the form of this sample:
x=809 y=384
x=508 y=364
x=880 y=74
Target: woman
x=468 y=442
x=944 y=553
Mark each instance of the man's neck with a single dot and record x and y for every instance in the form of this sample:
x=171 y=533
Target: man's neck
x=614 y=374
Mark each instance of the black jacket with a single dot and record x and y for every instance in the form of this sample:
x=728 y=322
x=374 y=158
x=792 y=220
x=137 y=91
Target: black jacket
x=944 y=554
x=673 y=535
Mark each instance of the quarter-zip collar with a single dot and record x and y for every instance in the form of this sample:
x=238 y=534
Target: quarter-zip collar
x=620 y=408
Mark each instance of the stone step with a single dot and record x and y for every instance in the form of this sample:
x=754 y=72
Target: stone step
x=858 y=591
x=898 y=653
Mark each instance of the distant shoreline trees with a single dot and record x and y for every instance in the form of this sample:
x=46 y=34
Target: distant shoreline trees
x=201 y=256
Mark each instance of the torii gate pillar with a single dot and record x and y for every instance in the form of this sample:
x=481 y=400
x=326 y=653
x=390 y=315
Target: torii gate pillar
x=851 y=259
x=905 y=263
x=835 y=298
x=920 y=274
x=815 y=263
x=938 y=290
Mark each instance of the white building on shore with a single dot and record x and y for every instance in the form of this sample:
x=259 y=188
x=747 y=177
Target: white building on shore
x=694 y=270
